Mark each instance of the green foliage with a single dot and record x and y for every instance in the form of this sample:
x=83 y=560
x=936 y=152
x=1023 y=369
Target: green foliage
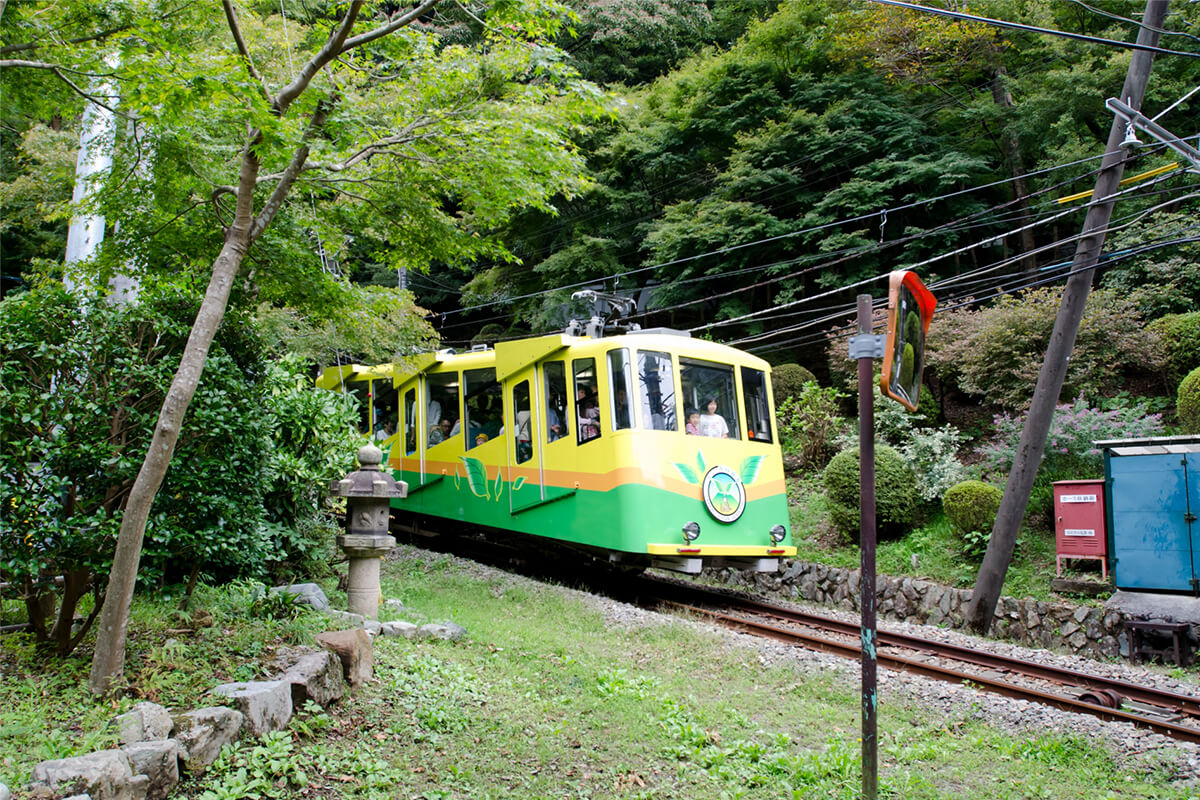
x=1188 y=404
x=809 y=424
x=269 y=768
x=788 y=380
x=996 y=352
x=895 y=492
x=1180 y=337
x=1161 y=280
x=1070 y=451
x=971 y=507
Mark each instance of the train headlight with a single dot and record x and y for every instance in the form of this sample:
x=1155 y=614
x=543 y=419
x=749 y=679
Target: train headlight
x=778 y=533
x=691 y=531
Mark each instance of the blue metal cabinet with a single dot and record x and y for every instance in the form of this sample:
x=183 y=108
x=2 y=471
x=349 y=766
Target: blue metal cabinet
x=1152 y=489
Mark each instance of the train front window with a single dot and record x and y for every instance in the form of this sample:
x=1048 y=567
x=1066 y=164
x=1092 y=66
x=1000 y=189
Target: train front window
x=754 y=394
x=656 y=391
x=441 y=419
x=362 y=393
x=384 y=399
x=710 y=397
x=557 y=424
x=587 y=403
x=483 y=401
x=618 y=375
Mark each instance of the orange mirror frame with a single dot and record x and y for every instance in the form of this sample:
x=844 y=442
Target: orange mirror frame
x=910 y=309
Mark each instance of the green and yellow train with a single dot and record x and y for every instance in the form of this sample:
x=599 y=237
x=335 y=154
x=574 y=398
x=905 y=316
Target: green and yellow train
x=649 y=448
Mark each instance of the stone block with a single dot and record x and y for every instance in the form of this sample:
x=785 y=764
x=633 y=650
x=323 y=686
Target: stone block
x=353 y=648
x=404 y=629
x=145 y=722
x=159 y=762
x=316 y=677
x=104 y=775
x=448 y=631
x=266 y=705
x=202 y=733
x=306 y=593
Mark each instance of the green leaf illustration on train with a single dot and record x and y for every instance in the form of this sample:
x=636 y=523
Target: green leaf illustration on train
x=644 y=448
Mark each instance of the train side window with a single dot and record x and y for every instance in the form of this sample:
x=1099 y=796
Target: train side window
x=656 y=391
x=442 y=416
x=618 y=375
x=410 y=422
x=522 y=422
x=384 y=400
x=483 y=400
x=754 y=394
x=557 y=424
x=587 y=403
x=362 y=393
x=708 y=388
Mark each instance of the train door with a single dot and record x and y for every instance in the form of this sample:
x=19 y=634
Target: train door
x=524 y=426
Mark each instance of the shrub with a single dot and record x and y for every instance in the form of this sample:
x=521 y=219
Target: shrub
x=1187 y=405
x=809 y=424
x=996 y=352
x=895 y=492
x=1180 y=336
x=788 y=381
x=1070 y=451
x=971 y=507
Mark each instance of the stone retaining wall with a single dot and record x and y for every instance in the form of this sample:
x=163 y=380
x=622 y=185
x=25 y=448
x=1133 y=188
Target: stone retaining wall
x=1086 y=630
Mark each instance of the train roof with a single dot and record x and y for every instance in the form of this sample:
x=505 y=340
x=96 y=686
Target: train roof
x=509 y=357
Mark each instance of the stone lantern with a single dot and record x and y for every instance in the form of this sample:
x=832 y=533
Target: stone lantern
x=368 y=492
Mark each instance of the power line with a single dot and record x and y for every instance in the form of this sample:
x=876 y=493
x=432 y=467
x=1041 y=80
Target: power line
x=1034 y=29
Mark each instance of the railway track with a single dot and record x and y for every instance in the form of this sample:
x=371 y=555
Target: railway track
x=1168 y=713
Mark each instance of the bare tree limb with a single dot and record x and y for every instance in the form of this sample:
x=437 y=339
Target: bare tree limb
x=391 y=27
x=95 y=37
x=236 y=30
x=17 y=63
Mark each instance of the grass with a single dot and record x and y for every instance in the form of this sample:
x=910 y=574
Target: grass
x=932 y=551
x=548 y=698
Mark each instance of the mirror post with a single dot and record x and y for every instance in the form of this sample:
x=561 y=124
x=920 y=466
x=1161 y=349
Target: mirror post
x=866 y=489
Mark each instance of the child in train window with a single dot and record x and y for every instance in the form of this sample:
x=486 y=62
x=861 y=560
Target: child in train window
x=693 y=422
x=711 y=423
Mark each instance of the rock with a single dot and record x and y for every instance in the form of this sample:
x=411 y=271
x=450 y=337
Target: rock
x=354 y=649
x=159 y=762
x=405 y=629
x=1068 y=629
x=305 y=593
x=266 y=705
x=794 y=571
x=1081 y=613
x=1077 y=640
x=145 y=722
x=316 y=677
x=373 y=626
x=443 y=630
x=394 y=604
x=5 y=794
x=202 y=733
x=104 y=775
x=347 y=617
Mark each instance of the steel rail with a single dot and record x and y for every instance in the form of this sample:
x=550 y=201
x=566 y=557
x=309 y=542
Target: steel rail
x=1171 y=701
x=915 y=666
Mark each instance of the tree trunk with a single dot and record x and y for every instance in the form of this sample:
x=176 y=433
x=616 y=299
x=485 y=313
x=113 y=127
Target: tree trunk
x=108 y=663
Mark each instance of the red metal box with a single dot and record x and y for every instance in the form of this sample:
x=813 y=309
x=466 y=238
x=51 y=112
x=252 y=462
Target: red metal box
x=1079 y=522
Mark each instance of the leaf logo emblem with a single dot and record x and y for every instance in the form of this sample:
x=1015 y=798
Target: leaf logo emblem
x=724 y=494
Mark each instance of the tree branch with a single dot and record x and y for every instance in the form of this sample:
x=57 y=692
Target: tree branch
x=327 y=53
x=392 y=26
x=95 y=37
x=236 y=30
x=293 y=170
x=58 y=71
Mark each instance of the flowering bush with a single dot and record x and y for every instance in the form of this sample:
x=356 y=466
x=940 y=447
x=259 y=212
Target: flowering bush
x=809 y=423
x=1070 y=445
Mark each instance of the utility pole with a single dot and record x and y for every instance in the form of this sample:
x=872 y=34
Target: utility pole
x=1050 y=380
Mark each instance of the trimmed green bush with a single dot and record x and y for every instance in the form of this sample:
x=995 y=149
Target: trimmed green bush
x=971 y=506
x=788 y=381
x=1187 y=405
x=1180 y=334
x=895 y=492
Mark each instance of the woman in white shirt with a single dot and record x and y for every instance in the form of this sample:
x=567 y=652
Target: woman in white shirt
x=713 y=424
